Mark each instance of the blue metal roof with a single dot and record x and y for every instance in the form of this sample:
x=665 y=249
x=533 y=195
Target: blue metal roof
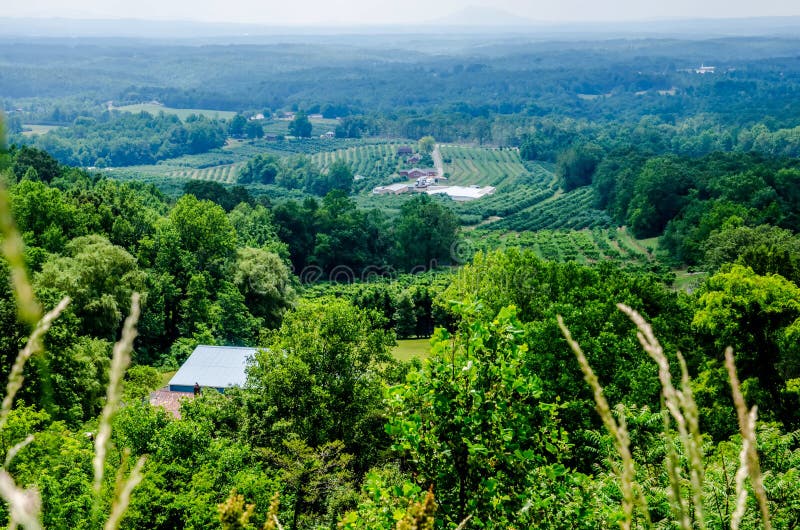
x=213 y=366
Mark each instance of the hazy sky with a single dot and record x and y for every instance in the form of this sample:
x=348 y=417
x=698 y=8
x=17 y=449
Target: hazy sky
x=315 y=12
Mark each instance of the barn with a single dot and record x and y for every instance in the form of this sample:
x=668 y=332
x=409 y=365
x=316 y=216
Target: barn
x=217 y=367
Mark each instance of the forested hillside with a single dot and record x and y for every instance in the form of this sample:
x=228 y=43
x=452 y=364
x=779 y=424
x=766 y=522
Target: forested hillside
x=607 y=338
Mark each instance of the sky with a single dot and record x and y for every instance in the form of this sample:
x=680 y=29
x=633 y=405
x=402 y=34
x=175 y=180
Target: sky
x=366 y=12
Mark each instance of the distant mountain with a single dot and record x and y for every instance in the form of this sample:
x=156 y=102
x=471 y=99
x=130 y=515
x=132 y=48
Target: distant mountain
x=478 y=20
x=472 y=16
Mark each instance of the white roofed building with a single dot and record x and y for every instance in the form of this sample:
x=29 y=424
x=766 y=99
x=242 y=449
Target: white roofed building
x=218 y=367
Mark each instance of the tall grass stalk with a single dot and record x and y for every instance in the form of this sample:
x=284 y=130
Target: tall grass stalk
x=683 y=410
x=618 y=431
x=24 y=506
x=122 y=492
x=120 y=360
x=13 y=249
x=33 y=346
x=747 y=428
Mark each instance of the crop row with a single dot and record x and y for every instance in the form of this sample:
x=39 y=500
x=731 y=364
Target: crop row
x=583 y=246
x=537 y=186
x=472 y=165
x=571 y=210
x=371 y=160
x=226 y=174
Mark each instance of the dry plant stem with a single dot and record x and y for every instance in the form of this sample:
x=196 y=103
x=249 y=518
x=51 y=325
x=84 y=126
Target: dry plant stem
x=122 y=496
x=618 y=432
x=682 y=408
x=16 y=449
x=24 y=506
x=741 y=476
x=747 y=428
x=119 y=363
x=697 y=471
x=13 y=249
x=463 y=523
x=34 y=345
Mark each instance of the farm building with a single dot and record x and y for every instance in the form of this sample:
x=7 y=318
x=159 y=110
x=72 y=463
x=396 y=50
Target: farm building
x=404 y=150
x=705 y=69
x=218 y=367
x=416 y=172
x=461 y=193
x=391 y=189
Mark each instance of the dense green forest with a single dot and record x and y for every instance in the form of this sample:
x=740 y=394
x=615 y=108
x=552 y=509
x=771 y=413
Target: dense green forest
x=622 y=176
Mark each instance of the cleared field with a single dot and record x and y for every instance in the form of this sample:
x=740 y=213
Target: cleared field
x=370 y=160
x=411 y=348
x=181 y=113
x=33 y=130
x=485 y=167
x=688 y=281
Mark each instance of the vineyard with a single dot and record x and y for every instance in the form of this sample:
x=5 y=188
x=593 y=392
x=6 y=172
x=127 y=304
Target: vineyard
x=536 y=185
x=574 y=210
x=484 y=167
x=583 y=246
x=227 y=174
x=378 y=160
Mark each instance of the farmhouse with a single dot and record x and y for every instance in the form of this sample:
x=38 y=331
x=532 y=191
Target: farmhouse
x=217 y=367
x=404 y=150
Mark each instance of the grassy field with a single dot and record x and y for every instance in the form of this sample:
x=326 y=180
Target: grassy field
x=33 y=130
x=485 y=167
x=688 y=281
x=281 y=127
x=408 y=349
x=181 y=113
x=166 y=376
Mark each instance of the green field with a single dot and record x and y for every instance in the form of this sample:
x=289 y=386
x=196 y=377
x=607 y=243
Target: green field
x=482 y=166
x=166 y=376
x=688 y=281
x=281 y=127
x=33 y=130
x=152 y=108
x=408 y=349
